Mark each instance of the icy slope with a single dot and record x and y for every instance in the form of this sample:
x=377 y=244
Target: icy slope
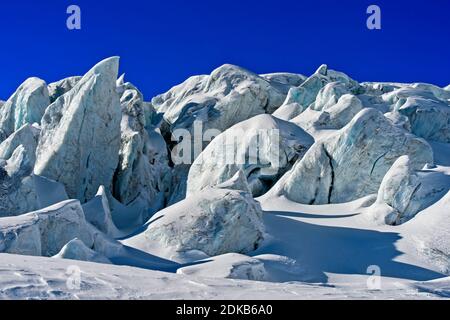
x=329 y=242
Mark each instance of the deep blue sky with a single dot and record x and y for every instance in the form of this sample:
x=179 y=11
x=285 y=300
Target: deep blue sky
x=162 y=42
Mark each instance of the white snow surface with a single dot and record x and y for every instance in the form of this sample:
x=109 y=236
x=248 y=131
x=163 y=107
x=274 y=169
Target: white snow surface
x=24 y=277
x=314 y=252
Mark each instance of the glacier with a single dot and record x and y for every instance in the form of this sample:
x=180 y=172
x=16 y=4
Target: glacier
x=407 y=189
x=81 y=134
x=142 y=178
x=324 y=177
x=26 y=105
x=44 y=232
x=352 y=162
x=230 y=94
x=58 y=88
x=262 y=147
x=213 y=221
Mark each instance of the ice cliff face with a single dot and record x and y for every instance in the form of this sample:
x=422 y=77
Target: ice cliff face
x=406 y=189
x=319 y=91
x=352 y=163
x=142 y=178
x=26 y=105
x=229 y=95
x=263 y=148
x=27 y=136
x=20 y=190
x=44 y=232
x=80 y=137
x=58 y=88
x=426 y=107
x=335 y=116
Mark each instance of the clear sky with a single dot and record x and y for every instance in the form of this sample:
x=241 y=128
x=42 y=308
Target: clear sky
x=162 y=42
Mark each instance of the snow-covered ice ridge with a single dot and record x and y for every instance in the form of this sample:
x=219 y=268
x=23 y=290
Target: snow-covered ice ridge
x=348 y=196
